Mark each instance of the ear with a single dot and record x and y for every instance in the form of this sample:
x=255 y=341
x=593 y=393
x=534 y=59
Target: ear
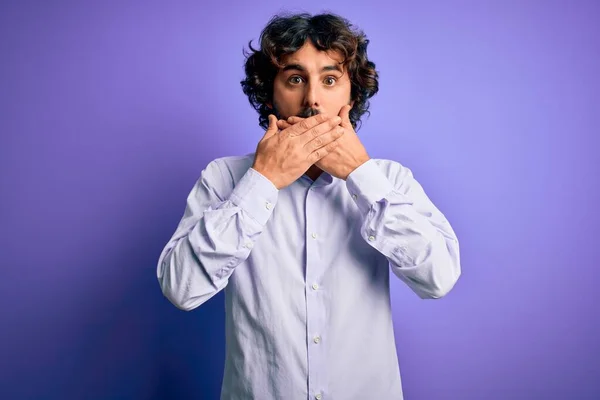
x=269 y=105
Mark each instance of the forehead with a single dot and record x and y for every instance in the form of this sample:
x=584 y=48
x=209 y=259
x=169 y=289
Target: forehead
x=309 y=56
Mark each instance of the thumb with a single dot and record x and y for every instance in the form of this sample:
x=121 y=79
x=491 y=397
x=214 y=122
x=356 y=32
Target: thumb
x=345 y=116
x=272 y=129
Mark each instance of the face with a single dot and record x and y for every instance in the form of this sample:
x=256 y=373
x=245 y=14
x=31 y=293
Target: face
x=311 y=82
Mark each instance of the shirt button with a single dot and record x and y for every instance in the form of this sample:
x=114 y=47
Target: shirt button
x=315 y=286
x=354 y=196
x=249 y=245
x=314 y=235
x=268 y=205
x=318 y=396
x=317 y=339
x=371 y=238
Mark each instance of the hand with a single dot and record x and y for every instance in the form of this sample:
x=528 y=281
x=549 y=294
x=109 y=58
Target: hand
x=347 y=156
x=283 y=156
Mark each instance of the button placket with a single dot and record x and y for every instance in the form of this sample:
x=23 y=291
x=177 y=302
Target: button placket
x=315 y=308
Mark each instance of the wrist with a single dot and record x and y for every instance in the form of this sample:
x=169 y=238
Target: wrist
x=265 y=173
x=357 y=164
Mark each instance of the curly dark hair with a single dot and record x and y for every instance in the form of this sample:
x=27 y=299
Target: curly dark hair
x=285 y=34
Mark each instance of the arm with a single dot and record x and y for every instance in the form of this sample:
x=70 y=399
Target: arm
x=402 y=223
x=217 y=231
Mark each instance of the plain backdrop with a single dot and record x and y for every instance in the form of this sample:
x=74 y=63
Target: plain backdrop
x=109 y=111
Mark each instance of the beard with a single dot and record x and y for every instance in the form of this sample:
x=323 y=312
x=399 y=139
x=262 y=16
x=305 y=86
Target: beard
x=308 y=112
x=304 y=113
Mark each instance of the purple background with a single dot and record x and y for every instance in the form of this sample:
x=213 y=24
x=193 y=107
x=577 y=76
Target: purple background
x=109 y=114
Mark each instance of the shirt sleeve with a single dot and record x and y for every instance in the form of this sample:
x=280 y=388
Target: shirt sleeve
x=216 y=233
x=401 y=222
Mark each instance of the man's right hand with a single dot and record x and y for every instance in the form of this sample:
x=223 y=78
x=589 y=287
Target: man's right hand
x=283 y=156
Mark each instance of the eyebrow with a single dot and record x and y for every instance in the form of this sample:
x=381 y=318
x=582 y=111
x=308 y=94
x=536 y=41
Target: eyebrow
x=299 y=67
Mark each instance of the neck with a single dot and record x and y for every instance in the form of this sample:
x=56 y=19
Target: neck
x=313 y=172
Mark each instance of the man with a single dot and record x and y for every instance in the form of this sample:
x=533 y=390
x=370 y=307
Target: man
x=302 y=233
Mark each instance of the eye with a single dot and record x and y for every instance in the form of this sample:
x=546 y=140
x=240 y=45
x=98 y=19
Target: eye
x=295 y=79
x=330 y=80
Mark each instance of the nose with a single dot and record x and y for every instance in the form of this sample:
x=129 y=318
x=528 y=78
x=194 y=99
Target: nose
x=311 y=96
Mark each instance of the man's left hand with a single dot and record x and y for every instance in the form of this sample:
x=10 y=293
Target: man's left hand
x=347 y=156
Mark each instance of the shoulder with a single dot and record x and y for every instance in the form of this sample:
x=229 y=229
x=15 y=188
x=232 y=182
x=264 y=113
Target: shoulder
x=395 y=171
x=224 y=172
x=232 y=168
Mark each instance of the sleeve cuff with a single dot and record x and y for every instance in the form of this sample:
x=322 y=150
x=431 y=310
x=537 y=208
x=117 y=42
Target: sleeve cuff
x=256 y=195
x=368 y=184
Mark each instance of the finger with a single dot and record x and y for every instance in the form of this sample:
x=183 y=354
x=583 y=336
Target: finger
x=308 y=124
x=272 y=129
x=294 y=119
x=324 y=139
x=324 y=127
x=282 y=124
x=345 y=115
x=318 y=131
x=321 y=152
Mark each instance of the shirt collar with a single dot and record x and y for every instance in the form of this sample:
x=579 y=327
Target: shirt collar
x=323 y=180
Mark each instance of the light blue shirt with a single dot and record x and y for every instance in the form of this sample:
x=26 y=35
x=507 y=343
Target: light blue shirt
x=306 y=274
